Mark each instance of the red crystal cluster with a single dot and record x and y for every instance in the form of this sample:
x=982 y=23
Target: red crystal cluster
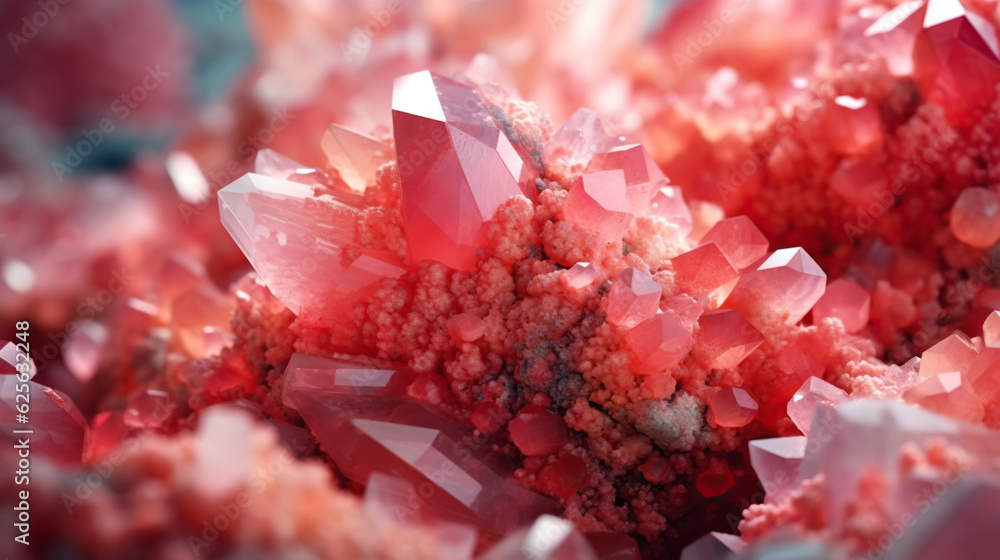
x=481 y=336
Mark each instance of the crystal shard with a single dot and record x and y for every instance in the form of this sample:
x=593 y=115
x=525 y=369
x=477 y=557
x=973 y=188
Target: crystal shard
x=991 y=329
x=643 y=179
x=354 y=155
x=456 y=167
x=787 y=284
x=366 y=421
x=668 y=203
x=714 y=546
x=303 y=247
x=706 y=271
x=466 y=327
x=634 y=297
x=846 y=301
x=548 y=538
x=975 y=217
x=580 y=275
x=739 y=239
x=956 y=61
x=272 y=164
x=597 y=201
x=984 y=374
x=565 y=477
x=802 y=405
x=583 y=136
x=892 y=36
x=954 y=353
x=58 y=428
x=715 y=481
x=657 y=344
x=725 y=339
x=538 y=432
x=948 y=393
x=777 y=462
x=732 y=407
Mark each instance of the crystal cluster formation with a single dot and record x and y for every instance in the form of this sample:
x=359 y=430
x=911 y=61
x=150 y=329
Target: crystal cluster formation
x=476 y=335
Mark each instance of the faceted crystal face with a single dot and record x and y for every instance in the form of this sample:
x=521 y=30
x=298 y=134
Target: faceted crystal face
x=272 y=164
x=777 y=462
x=580 y=275
x=984 y=373
x=956 y=61
x=367 y=423
x=732 y=407
x=657 y=344
x=802 y=405
x=739 y=239
x=706 y=271
x=466 y=327
x=854 y=125
x=846 y=301
x=643 y=179
x=58 y=427
x=954 y=353
x=597 y=201
x=892 y=36
x=564 y=477
x=715 y=481
x=668 y=203
x=538 y=432
x=548 y=538
x=991 y=329
x=948 y=393
x=975 y=217
x=725 y=339
x=456 y=167
x=713 y=546
x=633 y=298
x=583 y=136
x=303 y=247
x=354 y=155
x=787 y=284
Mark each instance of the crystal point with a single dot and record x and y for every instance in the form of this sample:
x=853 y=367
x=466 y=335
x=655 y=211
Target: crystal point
x=739 y=239
x=788 y=283
x=354 y=155
x=732 y=407
x=846 y=301
x=598 y=201
x=643 y=179
x=802 y=405
x=633 y=298
x=725 y=339
x=657 y=344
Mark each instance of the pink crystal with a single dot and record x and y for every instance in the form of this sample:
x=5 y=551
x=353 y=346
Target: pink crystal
x=58 y=428
x=732 y=407
x=224 y=450
x=954 y=353
x=302 y=246
x=633 y=298
x=149 y=408
x=725 y=339
x=643 y=179
x=787 y=284
x=892 y=36
x=614 y=546
x=583 y=136
x=597 y=202
x=580 y=275
x=739 y=239
x=706 y=271
x=984 y=374
x=713 y=546
x=456 y=167
x=354 y=155
x=949 y=394
x=668 y=203
x=657 y=344
x=9 y=362
x=854 y=126
x=549 y=538
x=82 y=353
x=367 y=424
x=538 y=432
x=991 y=329
x=272 y=164
x=802 y=406
x=846 y=301
x=975 y=217
x=777 y=462
x=956 y=61
x=466 y=327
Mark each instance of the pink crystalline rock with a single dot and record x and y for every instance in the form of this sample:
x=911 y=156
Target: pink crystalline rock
x=634 y=297
x=787 y=284
x=732 y=407
x=598 y=201
x=844 y=300
x=643 y=179
x=802 y=406
x=739 y=239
